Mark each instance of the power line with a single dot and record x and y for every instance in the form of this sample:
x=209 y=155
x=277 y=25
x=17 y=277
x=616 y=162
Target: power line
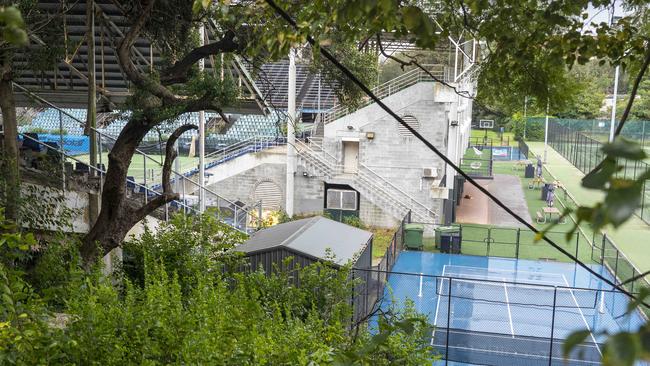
x=372 y=96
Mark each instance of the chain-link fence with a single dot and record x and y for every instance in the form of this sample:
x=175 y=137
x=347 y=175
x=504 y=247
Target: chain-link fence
x=370 y=285
x=596 y=129
x=585 y=153
x=495 y=317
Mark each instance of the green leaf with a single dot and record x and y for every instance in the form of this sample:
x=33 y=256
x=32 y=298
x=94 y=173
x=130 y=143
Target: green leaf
x=624 y=148
x=573 y=340
x=598 y=178
x=621 y=203
x=621 y=349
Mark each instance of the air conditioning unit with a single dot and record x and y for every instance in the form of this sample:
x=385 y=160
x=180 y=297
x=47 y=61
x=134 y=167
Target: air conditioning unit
x=430 y=172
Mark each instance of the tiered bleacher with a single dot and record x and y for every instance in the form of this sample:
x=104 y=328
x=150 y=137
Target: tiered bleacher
x=47 y=123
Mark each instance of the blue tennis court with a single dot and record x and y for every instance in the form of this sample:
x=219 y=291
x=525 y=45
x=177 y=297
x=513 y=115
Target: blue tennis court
x=497 y=311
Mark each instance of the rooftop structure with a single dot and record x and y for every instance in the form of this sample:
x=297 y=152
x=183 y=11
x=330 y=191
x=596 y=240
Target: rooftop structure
x=308 y=240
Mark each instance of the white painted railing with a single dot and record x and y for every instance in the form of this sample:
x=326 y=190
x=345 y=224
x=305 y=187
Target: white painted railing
x=391 y=87
x=315 y=154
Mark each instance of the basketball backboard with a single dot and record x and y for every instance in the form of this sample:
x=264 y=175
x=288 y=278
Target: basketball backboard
x=486 y=123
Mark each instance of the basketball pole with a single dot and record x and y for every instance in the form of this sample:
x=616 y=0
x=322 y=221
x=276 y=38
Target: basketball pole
x=546 y=133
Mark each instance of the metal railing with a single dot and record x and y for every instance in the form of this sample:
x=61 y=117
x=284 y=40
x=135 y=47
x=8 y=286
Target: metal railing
x=389 y=88
x=364 y=176
x=146 y=179
x=226 y=211
x=372 y=288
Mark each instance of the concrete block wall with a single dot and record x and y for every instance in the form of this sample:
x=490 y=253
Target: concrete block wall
x=309 y=195
x=373 y=215
x=397 y=158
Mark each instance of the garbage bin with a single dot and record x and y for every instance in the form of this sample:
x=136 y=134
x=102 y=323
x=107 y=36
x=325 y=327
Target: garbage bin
x=450 y=242
x=413 y=236
x=545 y=189
x=529 y=172
x=444 y=230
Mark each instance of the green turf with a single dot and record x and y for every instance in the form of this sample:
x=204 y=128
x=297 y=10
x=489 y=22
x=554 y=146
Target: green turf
x=153 y=166
x=631 y=238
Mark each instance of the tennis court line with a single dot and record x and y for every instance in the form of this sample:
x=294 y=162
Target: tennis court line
x=511 y=271
x=512 y=328
x=582 y=314
x=520 y=354
x=435 y=319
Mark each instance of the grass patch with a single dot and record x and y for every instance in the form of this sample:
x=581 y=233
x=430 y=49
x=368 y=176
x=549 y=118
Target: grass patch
x=381 y=240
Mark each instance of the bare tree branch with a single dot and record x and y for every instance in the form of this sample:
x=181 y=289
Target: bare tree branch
x=167 y=194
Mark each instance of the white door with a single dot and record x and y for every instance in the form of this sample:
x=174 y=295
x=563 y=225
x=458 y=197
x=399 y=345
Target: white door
x=350 y=156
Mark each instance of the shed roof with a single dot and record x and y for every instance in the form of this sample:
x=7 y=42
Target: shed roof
x=312 y=237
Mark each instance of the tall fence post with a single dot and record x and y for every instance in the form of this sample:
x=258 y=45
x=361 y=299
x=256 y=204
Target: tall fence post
x=550 y=354
x=448 y=323
x=577 y=242
x=602 y=249
x=352 y=298
x=616 y=269
x=517 y=243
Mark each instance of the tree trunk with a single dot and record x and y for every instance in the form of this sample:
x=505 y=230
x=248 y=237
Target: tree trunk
x=10 y=164
x=116 y=217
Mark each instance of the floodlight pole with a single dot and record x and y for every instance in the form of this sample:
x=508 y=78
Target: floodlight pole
x=201 y=135
x=291 y=133
x=525 y=108
x=546 y=133
x=612 y=125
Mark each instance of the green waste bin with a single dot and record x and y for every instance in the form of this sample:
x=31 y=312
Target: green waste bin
x=442 y=230
x=413 y=236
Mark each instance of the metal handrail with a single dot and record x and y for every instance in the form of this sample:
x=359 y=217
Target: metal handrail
x=137 y=151
x=98 y=170
x=146 y=189
x=389 y=88
x=385 y=181
x=337 y=168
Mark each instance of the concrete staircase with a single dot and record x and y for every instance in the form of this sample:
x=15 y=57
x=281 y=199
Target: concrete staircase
x=371 y=185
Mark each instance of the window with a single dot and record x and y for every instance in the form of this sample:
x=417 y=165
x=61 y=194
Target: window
x=341 y=200
x=412 y=122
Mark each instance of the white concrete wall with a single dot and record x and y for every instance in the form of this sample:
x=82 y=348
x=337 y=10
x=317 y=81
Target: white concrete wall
x=399 y=159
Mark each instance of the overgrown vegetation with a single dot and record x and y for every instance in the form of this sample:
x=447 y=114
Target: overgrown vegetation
x=182 y=297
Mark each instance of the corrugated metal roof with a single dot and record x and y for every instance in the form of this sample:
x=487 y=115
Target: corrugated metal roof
x=312 y=237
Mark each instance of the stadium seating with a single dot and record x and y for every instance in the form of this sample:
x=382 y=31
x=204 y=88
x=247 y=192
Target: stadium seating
x=245 y=127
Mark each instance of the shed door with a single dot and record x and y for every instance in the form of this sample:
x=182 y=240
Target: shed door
x=350 y=156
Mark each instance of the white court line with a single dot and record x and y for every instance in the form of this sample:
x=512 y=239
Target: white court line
x=582 y=314
x=520 y=354
x=512 y=328
x=435 y=319
x=531 y=284
x=505 y=270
